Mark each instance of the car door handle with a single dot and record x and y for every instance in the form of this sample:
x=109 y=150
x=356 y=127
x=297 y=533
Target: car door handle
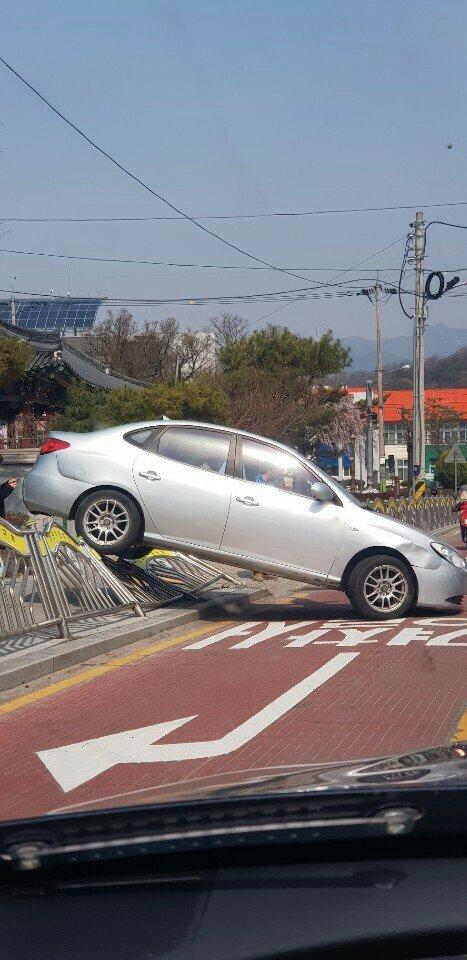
x=150 y=475
x=248 y=501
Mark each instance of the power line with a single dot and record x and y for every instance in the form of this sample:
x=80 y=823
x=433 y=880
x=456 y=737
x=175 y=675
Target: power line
x=141 y=183
x=269 y=293
x=401 y=276
x=196 y=301
x=229 y=216
x=164 y=263
x=349 y=269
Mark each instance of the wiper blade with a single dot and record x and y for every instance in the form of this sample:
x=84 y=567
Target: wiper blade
x=387 y=821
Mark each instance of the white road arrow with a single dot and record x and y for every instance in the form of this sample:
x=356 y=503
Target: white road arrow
x=76 y=763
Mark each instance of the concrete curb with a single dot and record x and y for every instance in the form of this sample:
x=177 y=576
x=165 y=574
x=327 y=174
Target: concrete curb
x=41 y=661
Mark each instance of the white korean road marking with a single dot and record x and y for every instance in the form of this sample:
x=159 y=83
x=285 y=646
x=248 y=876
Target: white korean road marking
x=355 y=632
x=351 y=636
x=76 y=763
x=272 y=630
x=405 y=636
x=238 y=631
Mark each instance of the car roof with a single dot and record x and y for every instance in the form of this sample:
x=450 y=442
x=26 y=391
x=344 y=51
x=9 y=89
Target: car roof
x=145 y=424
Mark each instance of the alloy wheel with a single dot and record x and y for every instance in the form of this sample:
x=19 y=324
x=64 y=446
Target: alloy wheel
x=106 y=521
x=385 y=588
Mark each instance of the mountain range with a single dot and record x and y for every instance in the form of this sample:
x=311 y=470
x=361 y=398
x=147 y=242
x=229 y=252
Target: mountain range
x=439 y=339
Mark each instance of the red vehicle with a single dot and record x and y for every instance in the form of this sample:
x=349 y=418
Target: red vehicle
x=461 y=507
x=463 y=521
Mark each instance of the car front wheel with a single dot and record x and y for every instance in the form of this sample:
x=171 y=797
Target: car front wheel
x=108 y=521
x=381 y=587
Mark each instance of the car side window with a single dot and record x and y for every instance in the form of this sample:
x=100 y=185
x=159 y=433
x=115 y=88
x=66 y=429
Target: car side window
x=140 y=438
x=266 y=464
x=205 y=449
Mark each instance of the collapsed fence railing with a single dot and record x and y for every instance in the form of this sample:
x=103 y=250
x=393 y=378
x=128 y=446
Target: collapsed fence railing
x=48 y=580
x=162 y=577
x=429 y=513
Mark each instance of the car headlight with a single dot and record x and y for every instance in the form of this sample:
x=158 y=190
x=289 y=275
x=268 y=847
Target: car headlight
x=451 y=555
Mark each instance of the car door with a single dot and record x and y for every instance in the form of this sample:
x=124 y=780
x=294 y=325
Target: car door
x=184 y=478
x=273 y=516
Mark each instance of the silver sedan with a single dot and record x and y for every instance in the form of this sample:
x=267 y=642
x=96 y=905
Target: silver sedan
x=239 y=499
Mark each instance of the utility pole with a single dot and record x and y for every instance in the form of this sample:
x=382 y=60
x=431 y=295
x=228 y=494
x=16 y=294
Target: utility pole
x=419 y=352
x=379 y=386
x=369 y=432
x=13 y=304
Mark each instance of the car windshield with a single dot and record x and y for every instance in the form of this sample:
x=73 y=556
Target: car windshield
x=232 y=252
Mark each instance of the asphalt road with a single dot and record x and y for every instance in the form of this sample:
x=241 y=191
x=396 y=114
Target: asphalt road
x=299 y=681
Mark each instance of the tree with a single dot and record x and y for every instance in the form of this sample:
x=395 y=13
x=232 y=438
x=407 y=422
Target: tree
x=155 y=350
x=15 y=357
x=194 y=353
x=159 y=352
x=227 y=328
x=112 y=340
x=437 y=417
x=257 y=404
x=80 y=410
x=346 y=426
x=87 y=408
x=281 y=352
x=276 y=378
x=444 y=474
x=201 y=399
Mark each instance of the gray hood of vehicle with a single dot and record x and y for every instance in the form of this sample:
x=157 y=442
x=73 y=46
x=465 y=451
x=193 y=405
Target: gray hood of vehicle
x=413 y=543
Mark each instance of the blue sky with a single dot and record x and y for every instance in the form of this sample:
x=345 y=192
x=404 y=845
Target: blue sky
x=250 y=106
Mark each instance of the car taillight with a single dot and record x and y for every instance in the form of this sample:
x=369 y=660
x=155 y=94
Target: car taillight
x=52 y=444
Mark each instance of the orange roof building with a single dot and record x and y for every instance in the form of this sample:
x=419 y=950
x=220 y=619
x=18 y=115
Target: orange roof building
x=397 y=400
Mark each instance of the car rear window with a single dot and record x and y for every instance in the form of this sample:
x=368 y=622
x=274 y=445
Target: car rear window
x=140 y=438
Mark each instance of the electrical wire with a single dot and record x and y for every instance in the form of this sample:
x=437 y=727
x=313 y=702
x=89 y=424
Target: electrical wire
x=401 y=276
x=164 y=263
x=199 y=301
x=235 y=216
x=270 y=294
x=443 y=223
x=141 y=183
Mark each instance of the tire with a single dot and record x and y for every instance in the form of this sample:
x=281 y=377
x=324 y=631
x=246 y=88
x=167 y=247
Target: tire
x=109 y=521
x=381 y=587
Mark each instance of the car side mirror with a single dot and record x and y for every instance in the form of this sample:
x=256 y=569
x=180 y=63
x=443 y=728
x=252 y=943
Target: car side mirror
x=321 y=491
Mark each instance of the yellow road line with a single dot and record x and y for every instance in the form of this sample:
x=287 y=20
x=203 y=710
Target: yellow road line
x=94 y=672
x=461 y=732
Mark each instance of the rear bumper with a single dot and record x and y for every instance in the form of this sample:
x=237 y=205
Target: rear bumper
x=50 y=493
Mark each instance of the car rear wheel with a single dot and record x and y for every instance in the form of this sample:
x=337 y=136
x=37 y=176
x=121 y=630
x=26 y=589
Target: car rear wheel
x=381 y=587
x=108 y=521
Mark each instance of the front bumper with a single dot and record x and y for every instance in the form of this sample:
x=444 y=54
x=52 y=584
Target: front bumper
x=438 y=587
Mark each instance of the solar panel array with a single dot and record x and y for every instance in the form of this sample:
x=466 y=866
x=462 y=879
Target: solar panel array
x=54 y=313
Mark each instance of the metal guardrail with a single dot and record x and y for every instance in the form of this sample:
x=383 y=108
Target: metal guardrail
x=47 y=579
x=429 y=513
x=162 y=577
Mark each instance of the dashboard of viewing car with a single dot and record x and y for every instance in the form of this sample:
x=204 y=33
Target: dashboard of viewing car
x=409 y=909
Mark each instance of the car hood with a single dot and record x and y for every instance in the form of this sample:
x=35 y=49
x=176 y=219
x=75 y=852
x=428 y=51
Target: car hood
x=432 y=767
x=381 y=522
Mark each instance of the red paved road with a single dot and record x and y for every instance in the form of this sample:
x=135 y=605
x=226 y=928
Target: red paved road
x=398 y=687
